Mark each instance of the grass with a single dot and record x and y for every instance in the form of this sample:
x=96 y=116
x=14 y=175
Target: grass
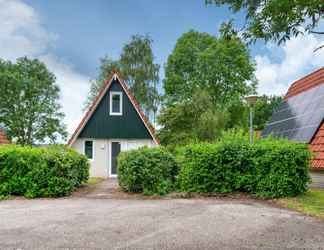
x=94 y=180
x=311 y=203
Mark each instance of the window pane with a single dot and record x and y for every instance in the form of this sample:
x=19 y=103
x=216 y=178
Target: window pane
x=116 y=103
x=88 y=146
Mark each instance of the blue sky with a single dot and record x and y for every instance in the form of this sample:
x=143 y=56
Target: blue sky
x=92 y=29
x=70 y=37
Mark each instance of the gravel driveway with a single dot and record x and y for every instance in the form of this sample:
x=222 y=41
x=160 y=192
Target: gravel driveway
x=101 y=223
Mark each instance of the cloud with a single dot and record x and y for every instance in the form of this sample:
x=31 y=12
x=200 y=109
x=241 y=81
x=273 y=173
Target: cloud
x=23 y=34
x=298 y=59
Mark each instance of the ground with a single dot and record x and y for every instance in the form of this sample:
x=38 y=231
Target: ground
x=93 y=219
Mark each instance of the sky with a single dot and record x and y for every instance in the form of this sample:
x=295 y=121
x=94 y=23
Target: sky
x=71 y=36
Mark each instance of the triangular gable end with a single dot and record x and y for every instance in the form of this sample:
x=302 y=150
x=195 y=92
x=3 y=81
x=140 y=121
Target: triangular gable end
x=113 y=76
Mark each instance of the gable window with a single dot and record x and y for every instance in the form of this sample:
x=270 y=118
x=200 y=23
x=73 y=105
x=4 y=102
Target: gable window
x=116 y=103
x=88 y=149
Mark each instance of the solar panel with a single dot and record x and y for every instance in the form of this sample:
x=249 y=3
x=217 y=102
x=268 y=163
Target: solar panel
x=298 y=117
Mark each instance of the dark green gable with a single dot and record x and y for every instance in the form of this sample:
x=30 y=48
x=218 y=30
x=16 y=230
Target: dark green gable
x=101 y=125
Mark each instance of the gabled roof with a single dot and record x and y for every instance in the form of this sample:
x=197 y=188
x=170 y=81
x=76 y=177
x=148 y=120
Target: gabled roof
x=113 y=75
x=317 y=147
x=307 y=82
x=3 y=138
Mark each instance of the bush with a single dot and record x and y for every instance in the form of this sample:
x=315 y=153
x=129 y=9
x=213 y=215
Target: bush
x=41 y=172
x=148 y=170
x=269 y=168
x=282 y=168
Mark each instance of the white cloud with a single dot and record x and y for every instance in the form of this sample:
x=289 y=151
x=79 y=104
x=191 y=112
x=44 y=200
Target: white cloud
x=22 y=34
x=298 y=60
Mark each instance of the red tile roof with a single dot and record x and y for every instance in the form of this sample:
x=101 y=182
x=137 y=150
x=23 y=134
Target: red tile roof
x=3 y=138
x=307 y=82
x=317 y=143
x=95 y=103
x=317 y=147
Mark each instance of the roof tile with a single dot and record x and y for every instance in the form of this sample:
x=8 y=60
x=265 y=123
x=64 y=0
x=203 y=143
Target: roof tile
x=307 y=82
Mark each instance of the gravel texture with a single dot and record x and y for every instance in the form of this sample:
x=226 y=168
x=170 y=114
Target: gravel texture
x=92 y=221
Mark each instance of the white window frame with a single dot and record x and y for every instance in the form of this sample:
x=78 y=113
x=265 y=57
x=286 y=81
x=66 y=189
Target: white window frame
x=111 y=94
x=93 y=149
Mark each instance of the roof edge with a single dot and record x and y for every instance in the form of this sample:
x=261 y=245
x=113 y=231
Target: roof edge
x=305 y=83
x=114 y=74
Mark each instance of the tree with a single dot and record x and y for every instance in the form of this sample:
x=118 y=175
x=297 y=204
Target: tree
x=222 y=66
x=277 y=20
x=136 y=63
x=263 y=110
x=107 y=65
x=192 y=120
x=206 y=78
x=29 y=108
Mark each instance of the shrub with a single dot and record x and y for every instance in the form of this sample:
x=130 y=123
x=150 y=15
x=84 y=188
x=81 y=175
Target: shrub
x=148 y=170
x=282 y=168
x=268 y=168
x=41 y=172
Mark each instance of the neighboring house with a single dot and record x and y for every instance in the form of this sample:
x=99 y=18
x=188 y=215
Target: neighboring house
x=113 y=123
x=301 y=115
x=3 y=137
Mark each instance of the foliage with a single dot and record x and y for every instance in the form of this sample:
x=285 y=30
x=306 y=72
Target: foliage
x=269 y=168
x=148 y=170
x=312 y=202
x=191 y=120
x=41 y=172
x=136 y=63
x=206 y=78
x=277 y=20
x=282 y=168
x=220 y=65
x=263 y=109
x=29 y=108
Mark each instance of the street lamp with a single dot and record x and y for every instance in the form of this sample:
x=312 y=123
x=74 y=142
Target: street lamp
x=251 y=100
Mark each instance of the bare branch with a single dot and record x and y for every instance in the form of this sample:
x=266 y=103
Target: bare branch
x=318 y=48
x=317 y=32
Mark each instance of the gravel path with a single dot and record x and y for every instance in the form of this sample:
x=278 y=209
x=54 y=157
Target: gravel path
x=106 y=223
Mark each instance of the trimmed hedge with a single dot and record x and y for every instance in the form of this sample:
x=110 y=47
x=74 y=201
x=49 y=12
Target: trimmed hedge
x=41 y=172
x=147 y=170
x=269 y=168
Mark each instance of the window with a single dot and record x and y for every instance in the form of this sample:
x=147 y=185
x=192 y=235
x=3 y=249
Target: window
x=115 y=103
x=88 y=149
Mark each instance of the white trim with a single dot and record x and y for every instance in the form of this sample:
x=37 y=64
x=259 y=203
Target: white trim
x=110 y=156
x=93 y=149
x=87 y=117
x=131 y=100
x=111 y=94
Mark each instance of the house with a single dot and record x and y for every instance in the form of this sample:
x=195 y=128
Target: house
x=300 y=117
x=3 y=137
x=113 y=123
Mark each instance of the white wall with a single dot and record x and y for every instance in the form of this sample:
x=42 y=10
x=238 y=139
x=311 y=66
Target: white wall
x=101 y=158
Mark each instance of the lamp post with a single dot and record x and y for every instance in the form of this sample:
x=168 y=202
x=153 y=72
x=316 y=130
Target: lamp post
x=251 y=100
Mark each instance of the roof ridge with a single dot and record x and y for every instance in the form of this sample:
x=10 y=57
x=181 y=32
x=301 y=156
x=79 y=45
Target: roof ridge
x=98 y=98
x=307 y=82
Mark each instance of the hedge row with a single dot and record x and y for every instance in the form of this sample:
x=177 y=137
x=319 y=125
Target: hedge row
x=269 y=168
x=148 y=170
x=41 y=172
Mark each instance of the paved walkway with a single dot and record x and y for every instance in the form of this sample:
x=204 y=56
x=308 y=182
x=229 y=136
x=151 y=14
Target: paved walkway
x=90 y=223
x=106 y=218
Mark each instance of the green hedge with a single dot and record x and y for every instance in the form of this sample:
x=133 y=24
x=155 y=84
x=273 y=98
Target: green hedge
x=148 y=170
x=269 y=168
x=41 y=172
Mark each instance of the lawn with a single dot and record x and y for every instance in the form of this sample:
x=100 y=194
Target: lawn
x=311 y=203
